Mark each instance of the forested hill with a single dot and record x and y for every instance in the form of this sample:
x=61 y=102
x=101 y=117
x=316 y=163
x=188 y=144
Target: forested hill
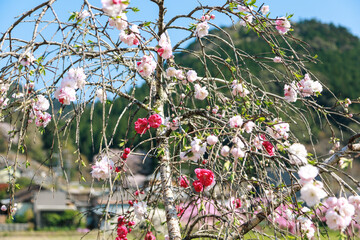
x=336 y=48
x=339 y=68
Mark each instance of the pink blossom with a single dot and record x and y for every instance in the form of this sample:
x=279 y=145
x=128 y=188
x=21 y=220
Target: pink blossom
x=42 y=119
x=27 y=60
x=155 y=121
x=225 y=151
x=171 y=72
x=101 y=95
x=114 y=8
x=147 y=66
x=141 y=125
x=244 y=8
x=282 y=25
x=102 y=169
x=84 y=14
x=119 y=22
x=202 y=29
x=237 y=152
x=65 y=95
x=312 y=193
x=265 y=9
x=200 y=92
x=78 y=76
x=236 y=122
x=239 y=89
x=248 y=18
x=191 y=76
x=237 y=203
x=131 y=38
x=277 y=59
x=307 y=173
x=248 y=126
x=290 y=92
x=165 y=50
x=212 y=139
x=42 y=104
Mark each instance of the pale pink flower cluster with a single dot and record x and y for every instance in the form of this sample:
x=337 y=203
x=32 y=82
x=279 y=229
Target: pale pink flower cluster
x=265 y=9
x=147 y=66
x=130 y=37
x=282 y=25
x=306 y=87
x=42 y=118
x=239 y=89
x=290 y=92
x=173 y=124
x=191 y=76
x=4 y=87
x=236 y=121
x=66 y=92
x=27 y=60
x=119 y=22
x=207 y=17
x=84 y=14
x=212 y=140
x=165 y=49
x=297 y=154
x=355 y=201
x=339 y=213
x=286 y=218
x=243 y=9
x=312 y=191
x=140 y=209
x=237 y=151
x=279 y=129
x=101 y=95
x=198 y=148
x=248 y=18
x=200 y=92
x=202 y=29
x=103 y=168
x=249 y=126
x=307 y=173
x=347 y=102
x=114 y=8
x=277 y=59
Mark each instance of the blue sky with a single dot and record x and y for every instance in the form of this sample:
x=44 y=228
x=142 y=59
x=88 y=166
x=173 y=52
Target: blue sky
x=345 y=13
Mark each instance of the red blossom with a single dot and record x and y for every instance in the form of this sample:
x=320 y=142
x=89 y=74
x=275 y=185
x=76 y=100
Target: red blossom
x=205 y=176
x=198 y=186
x=268 y=147
x=127 y=150
x=122 y=232
x=141 y=125
x=150 y=236
x=183 y=182
x=155 y=121
x=237 y=203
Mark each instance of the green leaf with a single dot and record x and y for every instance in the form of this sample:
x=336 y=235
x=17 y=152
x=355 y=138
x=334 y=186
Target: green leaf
x=135 y=9
x=227 y=165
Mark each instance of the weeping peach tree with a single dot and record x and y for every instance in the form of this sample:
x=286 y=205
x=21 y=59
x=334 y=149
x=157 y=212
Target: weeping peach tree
x=233 y=139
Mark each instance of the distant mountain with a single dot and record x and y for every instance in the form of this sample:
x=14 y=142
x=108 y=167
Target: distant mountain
x=336 y=48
